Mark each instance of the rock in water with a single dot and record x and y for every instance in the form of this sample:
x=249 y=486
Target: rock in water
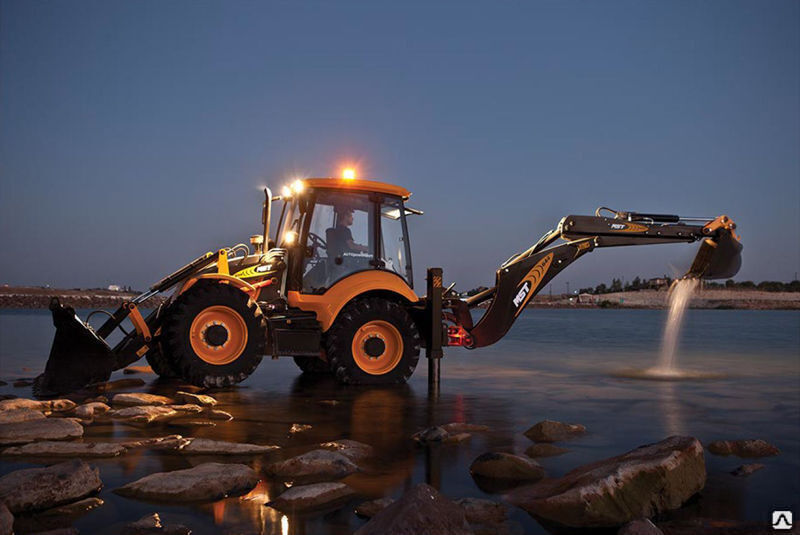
x=544 y=449
x=66 y=449
x=552 y=431
x=352 y=449
x=55 y=405
x=33 y=430
x=479 y=511
x=145 y=415
x=205 y=482
x=20 y=415
x=640 y=527
x=747 y=469
x=308 y=497
x=151 y=525
x=743 y=448
x=638 y=484
x=87 y=411
x=420 y=510
x=196 y=399
x=132 y=399
x=373 y=507
x=316 y=464
x=498 y=465
x=205 y=446
x=34 y=489
x=6 y=520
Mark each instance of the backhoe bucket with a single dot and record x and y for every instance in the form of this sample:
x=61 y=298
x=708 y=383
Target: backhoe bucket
x=78 y=356
x=717 y=258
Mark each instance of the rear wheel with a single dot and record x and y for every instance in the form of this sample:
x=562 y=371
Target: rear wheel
x=373 y=341
x=214 y=335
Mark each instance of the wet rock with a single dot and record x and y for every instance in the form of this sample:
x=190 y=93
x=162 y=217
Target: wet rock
x=134 y=399
x=169 y=441
x=352 y=449
x=639 y=527
x=205 y=446
x=96 y=399
x=544 y=449
x=420 y=510
x=190 y=422
x=54 y=405
x=33 y=430
x=638 y=484
x=205 y=482
x=552 y=431
x=456 y=428
x=58 y=517
x=441 y=435
x=151 y=525
x=59 y=531
x=479 y=511
x=3 y=383
x=189 y=408
x=214 y=414
x=373 y=507
x=329 y=402
x=119 y=384
x=6 y=520
x=20 y=383
x=195 y=399
x=130 y=370
x=65 y=449
x=145 y=415
x=309 y=497
x=747 y=469
x=34 y=489
x=317 y=465
x=299 y=428
x=88 y=411
x=743 y=448
x=75 y=508
x=499 y=465
x=20 y=415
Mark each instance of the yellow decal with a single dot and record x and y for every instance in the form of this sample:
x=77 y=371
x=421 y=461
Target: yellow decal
x=252 y=271
x=628 y=227
x=534 y=277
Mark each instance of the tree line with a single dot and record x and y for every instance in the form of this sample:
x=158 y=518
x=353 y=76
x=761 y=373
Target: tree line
x=638 y=283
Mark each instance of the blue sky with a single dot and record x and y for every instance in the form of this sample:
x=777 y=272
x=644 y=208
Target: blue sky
x=134 y=135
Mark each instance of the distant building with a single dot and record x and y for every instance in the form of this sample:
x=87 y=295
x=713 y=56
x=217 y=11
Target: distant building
x=586 y=298
x=114 y=288
x=658 y=283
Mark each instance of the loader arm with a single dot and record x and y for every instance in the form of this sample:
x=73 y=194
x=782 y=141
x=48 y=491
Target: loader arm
x=525 y=274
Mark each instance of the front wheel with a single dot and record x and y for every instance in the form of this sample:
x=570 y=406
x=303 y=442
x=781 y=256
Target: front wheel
x=373 y=341
x=214 y=335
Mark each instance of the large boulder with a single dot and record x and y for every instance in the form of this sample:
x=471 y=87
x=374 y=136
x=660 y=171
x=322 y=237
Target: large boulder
x=301 y=498
x=34 y=489
x=65 y=449
x=552 y=431
x=743 y=448
x=33 y=430
x=205 y=482
x=499 y=465
x=317 y=465
x=13 y=416
x=420 y=510
x=611 y=492
x=133 y=399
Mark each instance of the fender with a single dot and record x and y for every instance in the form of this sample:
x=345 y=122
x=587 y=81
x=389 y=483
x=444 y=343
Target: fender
x=328 y=305
x=246 y=287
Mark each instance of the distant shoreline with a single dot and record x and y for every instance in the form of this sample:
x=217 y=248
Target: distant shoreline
x=24 y=297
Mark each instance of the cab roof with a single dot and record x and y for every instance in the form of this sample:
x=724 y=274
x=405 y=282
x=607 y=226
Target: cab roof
x=356 y=184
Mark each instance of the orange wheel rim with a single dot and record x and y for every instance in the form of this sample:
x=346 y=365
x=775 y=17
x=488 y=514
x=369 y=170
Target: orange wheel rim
x=377 y=347
x=218 y=335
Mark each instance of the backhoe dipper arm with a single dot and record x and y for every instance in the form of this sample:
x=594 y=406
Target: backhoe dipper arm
x=525 y=274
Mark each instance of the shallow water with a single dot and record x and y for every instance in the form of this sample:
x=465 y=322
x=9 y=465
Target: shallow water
x=566 y=365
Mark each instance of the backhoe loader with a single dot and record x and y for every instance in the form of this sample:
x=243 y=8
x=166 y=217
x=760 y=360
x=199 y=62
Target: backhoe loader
x=333 y=288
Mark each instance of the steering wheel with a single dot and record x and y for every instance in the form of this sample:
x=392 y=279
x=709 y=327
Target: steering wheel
x=316 y=242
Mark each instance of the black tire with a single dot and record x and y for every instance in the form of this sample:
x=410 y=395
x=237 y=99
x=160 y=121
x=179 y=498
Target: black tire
x=160 y=364
x=341 y=338
x=244 y=316
x=312 y=365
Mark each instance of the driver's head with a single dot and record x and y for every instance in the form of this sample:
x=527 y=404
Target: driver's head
x=345 y=217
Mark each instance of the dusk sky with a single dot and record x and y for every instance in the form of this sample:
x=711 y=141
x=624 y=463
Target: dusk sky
x=134 y=136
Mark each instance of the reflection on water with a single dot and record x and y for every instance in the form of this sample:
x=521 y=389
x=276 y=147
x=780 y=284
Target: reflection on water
x=561 y=365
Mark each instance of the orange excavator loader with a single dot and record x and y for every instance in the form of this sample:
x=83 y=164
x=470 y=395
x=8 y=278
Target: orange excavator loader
x=333 y=289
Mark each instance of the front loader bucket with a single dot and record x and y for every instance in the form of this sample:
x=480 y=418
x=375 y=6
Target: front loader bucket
x=78 y=356
x=717 y=258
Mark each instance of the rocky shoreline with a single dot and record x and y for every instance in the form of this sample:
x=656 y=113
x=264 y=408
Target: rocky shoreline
x=27 y=297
